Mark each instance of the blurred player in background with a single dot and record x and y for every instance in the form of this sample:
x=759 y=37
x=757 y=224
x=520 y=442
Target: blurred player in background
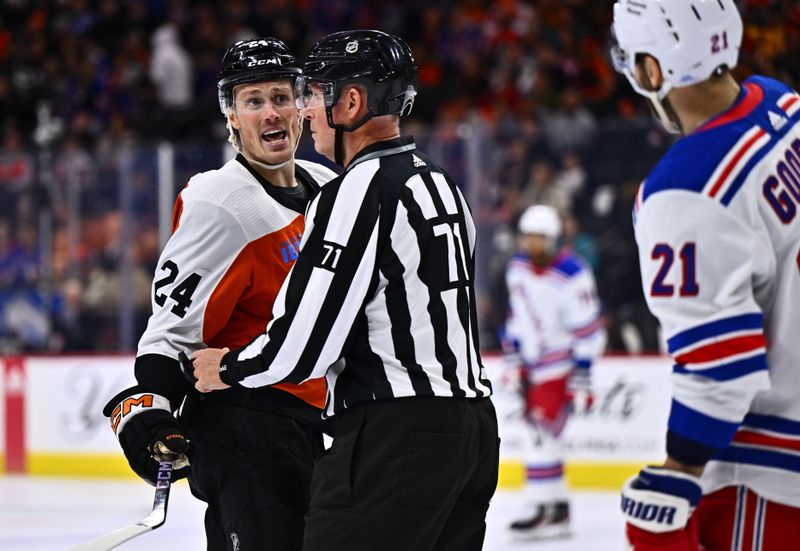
x=554 y=333
x=719 y=245
x=236 y=234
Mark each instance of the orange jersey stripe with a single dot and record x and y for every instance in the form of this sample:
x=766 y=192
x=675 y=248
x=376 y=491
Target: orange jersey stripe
x=241 y=304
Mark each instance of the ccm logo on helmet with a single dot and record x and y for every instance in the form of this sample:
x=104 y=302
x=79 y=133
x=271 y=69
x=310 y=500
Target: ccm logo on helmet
x=124 y=408
x=256 y=62
x=661 y=514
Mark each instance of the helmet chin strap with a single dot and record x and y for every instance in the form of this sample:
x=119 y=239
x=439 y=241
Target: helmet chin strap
x=656 y=99
x=338 y=141
x=338 y=145
x=657 y=102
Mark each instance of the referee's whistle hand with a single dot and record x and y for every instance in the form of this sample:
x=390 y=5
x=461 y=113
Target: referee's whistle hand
x=206 y=369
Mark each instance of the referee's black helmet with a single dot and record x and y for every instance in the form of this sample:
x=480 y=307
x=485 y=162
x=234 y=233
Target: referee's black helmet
x=382 y=63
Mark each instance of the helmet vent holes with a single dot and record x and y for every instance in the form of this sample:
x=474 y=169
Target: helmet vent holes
x=696 y=14
x=721 y=5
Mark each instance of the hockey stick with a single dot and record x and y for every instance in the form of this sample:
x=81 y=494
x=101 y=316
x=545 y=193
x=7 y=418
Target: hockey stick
x=152 y=521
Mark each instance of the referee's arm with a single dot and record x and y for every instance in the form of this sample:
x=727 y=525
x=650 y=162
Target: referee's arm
x=324 y=292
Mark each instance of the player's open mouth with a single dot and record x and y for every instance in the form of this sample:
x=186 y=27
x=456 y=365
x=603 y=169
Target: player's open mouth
x=274 y=136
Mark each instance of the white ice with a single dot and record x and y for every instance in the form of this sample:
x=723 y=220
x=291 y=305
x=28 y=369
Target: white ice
x=50 y=514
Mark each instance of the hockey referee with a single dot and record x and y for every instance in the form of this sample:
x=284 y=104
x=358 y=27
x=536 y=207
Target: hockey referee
x=381 y=301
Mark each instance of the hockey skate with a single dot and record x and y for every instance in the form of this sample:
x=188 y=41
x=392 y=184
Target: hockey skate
x=547 y=521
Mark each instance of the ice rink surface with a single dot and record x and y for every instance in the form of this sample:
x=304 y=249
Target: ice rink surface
x=50 y=514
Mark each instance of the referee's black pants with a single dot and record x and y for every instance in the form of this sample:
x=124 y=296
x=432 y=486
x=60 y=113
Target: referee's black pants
x=253 y=469
x=411 y=474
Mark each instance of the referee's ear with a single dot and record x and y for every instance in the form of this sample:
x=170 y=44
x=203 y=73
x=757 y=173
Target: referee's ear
x=354 y=101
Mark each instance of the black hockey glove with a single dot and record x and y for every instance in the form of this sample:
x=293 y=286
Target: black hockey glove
x=148 y=432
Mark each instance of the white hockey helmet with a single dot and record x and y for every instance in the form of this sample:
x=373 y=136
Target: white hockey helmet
x=691 y=39
x=540 y=220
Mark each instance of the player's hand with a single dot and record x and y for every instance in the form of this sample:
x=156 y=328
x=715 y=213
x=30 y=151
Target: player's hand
x=206 y=369
x=148 y=433
x=658 y=504
x=579 y=390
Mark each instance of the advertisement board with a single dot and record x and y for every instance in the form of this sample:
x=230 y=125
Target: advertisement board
x=51 y=419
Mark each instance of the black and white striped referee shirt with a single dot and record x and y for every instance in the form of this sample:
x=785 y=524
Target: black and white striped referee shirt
x=381 y=298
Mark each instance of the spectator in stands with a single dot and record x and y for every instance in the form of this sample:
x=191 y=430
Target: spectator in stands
x=17 y=170
x=571 y=126
x=171 y=68
x=89 y=65
x=541 y=189
x=571 y=175
x=579 y=241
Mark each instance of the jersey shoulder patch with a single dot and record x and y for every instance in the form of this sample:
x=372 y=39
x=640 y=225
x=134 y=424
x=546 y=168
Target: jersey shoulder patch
x=568 y=264
x=781 y=105
x=691 y=161
x=716 y=159
x=772 y=88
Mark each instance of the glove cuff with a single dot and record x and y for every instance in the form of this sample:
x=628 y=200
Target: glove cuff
x=660 y=500
x=130 y=402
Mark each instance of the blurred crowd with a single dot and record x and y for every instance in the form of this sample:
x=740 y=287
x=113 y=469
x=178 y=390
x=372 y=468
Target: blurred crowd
x=82 y=80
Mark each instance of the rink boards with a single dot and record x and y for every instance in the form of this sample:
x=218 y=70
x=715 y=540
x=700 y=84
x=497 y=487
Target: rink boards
x=51 y=421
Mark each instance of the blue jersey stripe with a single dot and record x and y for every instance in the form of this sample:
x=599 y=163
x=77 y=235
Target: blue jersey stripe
x=745 y=172
x=728 y=371
x=760 y=457
x=759 y=524
x=772 y=423
x=715 y=329
x=700 y=427
x=741 y=503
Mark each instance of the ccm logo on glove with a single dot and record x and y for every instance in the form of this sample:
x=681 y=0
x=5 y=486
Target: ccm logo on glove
x=135 y=404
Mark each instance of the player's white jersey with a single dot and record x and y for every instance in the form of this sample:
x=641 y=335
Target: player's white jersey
x=719 y=243
x=234 y=240
x=554 y=316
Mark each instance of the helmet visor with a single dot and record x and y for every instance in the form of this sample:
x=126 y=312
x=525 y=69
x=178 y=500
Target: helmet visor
x=624 y=62
x=279 y=95
x=619 y=57
x=310 y=93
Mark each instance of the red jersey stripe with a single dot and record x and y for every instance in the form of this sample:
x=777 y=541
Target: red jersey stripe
x=731 y=165
x=753 y=96
x=722 y=349
x=791 y=101
x=744 y=436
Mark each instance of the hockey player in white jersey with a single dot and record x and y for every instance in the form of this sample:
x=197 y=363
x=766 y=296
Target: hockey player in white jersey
x=555 y=331
x=236 y=234
x=717 y=227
